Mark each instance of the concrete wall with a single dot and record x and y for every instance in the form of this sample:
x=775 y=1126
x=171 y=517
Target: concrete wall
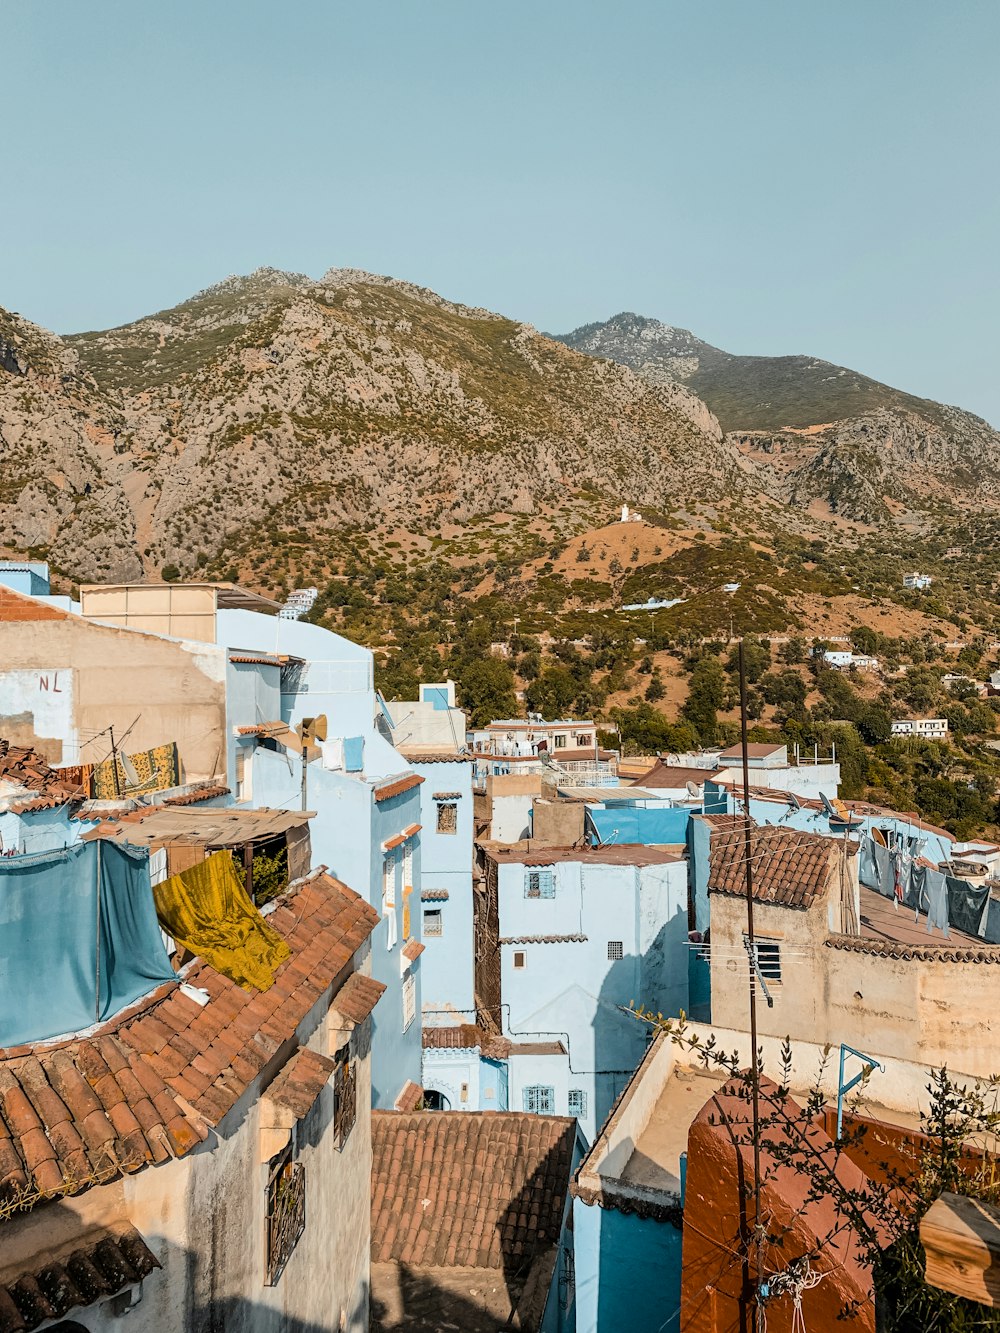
x=628 y=1271
x=66 y=679
x=203 y=1216
x=510 y=798
x=39 y=830
x=424 y=724
x=446 y=863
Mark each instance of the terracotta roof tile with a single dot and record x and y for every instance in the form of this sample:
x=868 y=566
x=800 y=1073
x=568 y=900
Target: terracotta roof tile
x=51 y=1290
x=412 y=950
x=411 y=1097
x=396 y=786
x=358 y=997
x=22 y=765
x=208 y=792
x=434 y=1171
x=674 y=775
x=789 y=868
x=149 y=1084
x=434 y=896
x=467 y=1036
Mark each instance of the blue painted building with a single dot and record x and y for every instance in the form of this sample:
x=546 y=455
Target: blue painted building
x=567 y=940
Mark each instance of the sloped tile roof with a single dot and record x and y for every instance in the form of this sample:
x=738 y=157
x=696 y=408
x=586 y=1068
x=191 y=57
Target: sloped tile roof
x=434 y=895
x=91 y=1273
x=674 y=775
x=148 y=1085
x=412 y=950
x=466 y=1037
x=411 y=1097
x=396 y=786
x=301 y=1081
x=789 y=868
x=22 y=765
x=358 y=997
x=208 y=792
x=480 y=1189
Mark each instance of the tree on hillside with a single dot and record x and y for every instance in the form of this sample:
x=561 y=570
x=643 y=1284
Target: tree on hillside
x=757 y=657
x=705 y=696
x=553 y=693
x=486 y=690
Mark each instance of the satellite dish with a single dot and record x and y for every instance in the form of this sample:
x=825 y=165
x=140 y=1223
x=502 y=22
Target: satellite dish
x=794 y=802
x=693 y=790
x=132 y=778
x=828 y=807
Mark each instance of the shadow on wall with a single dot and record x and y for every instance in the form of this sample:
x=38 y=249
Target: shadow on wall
x=620 y=1040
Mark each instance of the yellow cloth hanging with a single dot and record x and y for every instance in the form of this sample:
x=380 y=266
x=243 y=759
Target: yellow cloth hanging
x=207 y=910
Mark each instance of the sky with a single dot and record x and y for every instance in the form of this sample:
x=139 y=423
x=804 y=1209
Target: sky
x=778 y=176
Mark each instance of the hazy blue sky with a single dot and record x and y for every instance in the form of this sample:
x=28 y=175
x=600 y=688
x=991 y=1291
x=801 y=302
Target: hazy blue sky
x=777 y=175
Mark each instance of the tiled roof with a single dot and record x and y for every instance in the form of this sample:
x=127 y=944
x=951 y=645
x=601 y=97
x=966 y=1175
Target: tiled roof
x=208 y=792
x=529 y=853
x=358 y=997
x=22 y=765
x=542 y=939
x=434 y=896
x=670 y=775
x=301 y=1081
x=754 y=751
x=16 y=606
x=414 y=755
x=148 y=1085
x=412 y=950
x=94 y=1272
x=929 y=953
x=483 y=1189
x=467 y=1037
x=396 y=786
x=789 y=868
x=254 y=659
x=446 y=796
x=411 y=1097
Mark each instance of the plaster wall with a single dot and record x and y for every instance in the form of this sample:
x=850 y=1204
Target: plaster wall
x=446 y=863
x=98 y=676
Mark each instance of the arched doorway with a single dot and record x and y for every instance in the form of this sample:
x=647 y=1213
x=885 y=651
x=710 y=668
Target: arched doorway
x=435 y=1101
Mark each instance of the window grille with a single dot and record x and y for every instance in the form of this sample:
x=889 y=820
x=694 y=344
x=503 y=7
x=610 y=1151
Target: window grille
x=433 y=923
x=539 y=1100
x=567 y=1278
x=409 y=1001
x=407 y=864
x=345 y=1097
x=615 y=951
x=539 y=884
x=584 y=742
x=577 y=1102
x=285 y=1211
x=768 y=958
x=560 y=741
x=447 y=817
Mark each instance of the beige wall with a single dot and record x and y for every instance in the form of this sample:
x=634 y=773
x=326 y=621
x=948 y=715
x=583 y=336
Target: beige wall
x=928 y=1012
x=110 y=677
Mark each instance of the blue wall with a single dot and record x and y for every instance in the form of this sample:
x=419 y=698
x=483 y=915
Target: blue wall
x=446 y=863
x=628 y=1272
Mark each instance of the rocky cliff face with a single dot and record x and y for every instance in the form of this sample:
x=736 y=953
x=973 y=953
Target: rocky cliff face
x=274 y=411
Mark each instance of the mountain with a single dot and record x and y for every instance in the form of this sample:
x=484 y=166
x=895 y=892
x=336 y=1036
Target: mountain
x=285 y=430
x=812 y=430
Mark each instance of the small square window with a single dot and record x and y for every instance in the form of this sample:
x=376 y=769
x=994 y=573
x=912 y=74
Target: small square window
x=539 y=883
x=584 y=742
x=768 y=958
x=539 y=1100
x=433 y=922
x=615 y=951
x=520 y=958
x=577 y=1102
x=447 y=817
x=560 y=741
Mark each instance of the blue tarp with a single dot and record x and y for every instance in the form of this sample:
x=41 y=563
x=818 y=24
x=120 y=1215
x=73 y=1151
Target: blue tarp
x=354 y=754
x=640 y=824
x=52 y=907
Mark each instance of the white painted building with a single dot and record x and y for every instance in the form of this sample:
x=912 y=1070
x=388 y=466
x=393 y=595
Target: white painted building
x=929 y=728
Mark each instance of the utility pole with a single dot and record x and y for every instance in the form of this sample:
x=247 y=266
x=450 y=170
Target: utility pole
x=752 y=951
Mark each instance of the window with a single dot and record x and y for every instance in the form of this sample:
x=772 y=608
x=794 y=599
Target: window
x=577 y=1102
x=447 y=817
x=539 y=884
x=559 y=741
x=768 y=958
x=567 y=1278
x=285 y=1211
x=539 y=1100
x=407 y=864
x=389 y=898
x=520 y=959
x=345 y=1096
x=433 y=923
x=244 y=786
x=409 y=1000
x=615 y=951
x=584 y=741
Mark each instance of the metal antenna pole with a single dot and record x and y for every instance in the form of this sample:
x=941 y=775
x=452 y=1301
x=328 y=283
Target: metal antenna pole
x=752 y=950
x=114 y=763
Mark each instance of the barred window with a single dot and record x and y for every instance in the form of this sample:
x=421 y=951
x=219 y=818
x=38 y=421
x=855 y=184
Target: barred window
x=447 y=817
x=615 y=951
x=345 y=1097
x=577 y=1102
x=539 y=883
x=560 y=741
x=539 y=1100
x=285 y=1211
x=433 y=923
x=768 y=958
